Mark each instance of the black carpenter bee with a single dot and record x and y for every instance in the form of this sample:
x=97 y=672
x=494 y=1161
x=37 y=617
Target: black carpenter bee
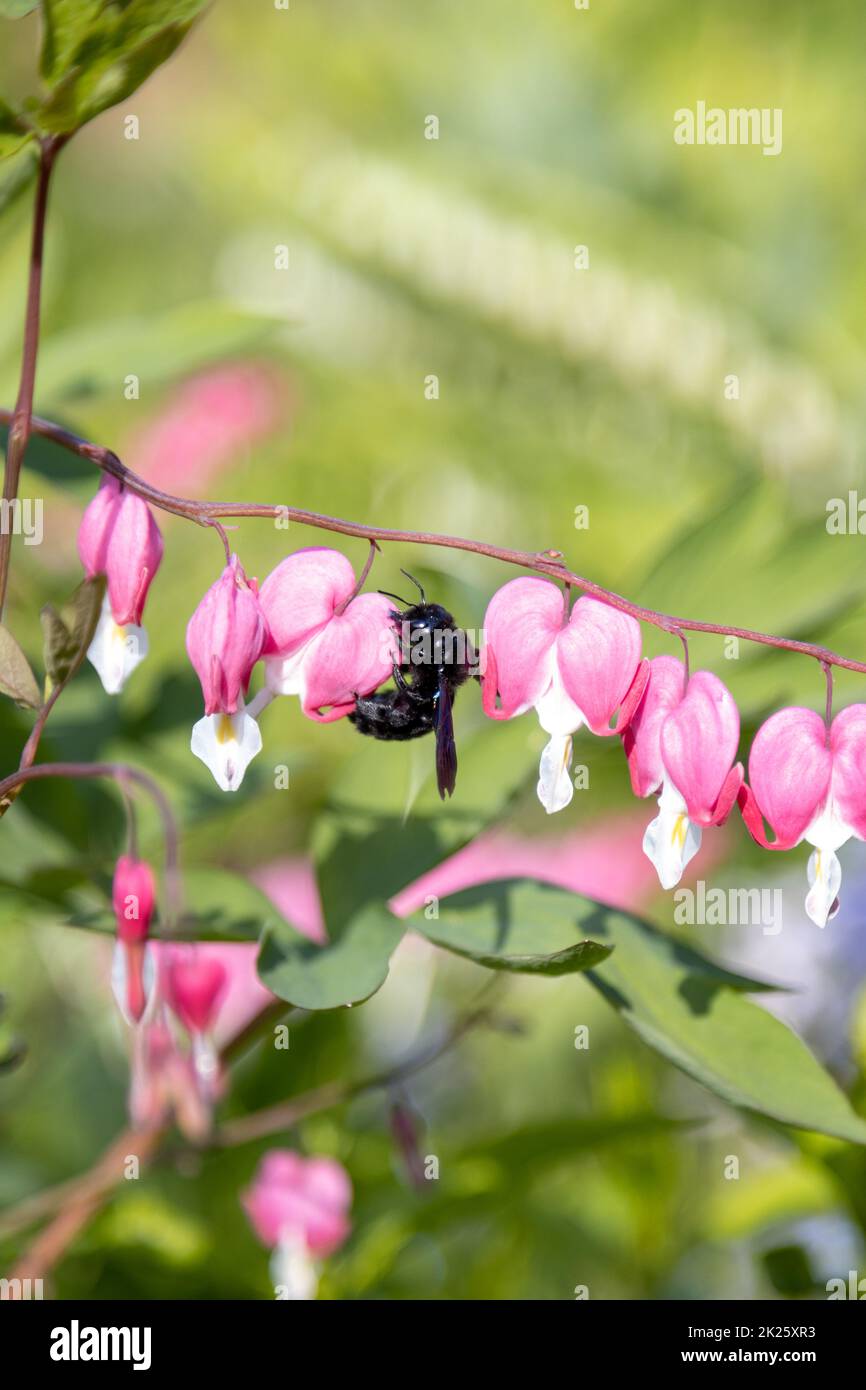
x=435 y=658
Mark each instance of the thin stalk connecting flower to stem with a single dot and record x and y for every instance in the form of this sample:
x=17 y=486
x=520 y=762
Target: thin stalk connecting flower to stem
x=547 y=562
x=124 y=775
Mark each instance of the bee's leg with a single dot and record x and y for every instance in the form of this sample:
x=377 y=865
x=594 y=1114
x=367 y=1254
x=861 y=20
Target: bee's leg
x=402 y=684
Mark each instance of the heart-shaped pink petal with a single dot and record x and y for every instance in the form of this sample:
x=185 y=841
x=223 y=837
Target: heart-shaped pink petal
x=598 y=654
x=789 y=771
x=698 y=743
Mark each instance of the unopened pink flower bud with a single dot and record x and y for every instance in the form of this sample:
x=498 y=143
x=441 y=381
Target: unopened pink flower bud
x=224 y=640
x=225 y=637
x=119 y=538
x=133 y=895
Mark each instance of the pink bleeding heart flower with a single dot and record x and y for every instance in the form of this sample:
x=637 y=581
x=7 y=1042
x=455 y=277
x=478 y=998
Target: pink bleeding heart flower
x=574 y=670
x=810 y=785
x=133 y=898
x=194 y=984
x=164 y=1083
x=118 y=537
x=681 y=743
x=299 y=1208
x=224 y=639
x=324 y=645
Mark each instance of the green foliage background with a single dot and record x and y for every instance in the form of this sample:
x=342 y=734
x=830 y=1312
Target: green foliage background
x=558 y=388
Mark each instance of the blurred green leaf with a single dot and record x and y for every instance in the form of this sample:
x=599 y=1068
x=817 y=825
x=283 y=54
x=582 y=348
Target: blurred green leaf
x=16 y=9
x=687 y=1007
x=17 y=173
x=343 y=972
x=84 y=361
x=12 y=136
x=95 y=55
x=68 y=636
x=377 y=838
x=12 y=1049
x=16 y=678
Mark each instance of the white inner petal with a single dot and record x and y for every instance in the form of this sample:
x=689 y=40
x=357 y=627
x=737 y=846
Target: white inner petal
x=824 y=873
x=227 y=743
x=671 y=840
x=557 y=712
x=115 y=651
x=120 y=981
x=555 y=788
x=827 y=832
x=293 y=1272
x=283 y=674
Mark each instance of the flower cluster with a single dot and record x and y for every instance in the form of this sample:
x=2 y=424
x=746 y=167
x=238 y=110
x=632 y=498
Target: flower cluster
x=680 y=733
x=576 y=665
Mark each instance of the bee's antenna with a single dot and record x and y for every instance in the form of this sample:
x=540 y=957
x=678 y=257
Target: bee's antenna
x=416 y=583
x=387 y=594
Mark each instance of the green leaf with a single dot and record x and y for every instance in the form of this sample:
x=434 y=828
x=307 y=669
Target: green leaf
x=17 y=173
x=12 y=1049
x=83 y=361
x=67 y=637
x=16 y=678
x=67 y=24
x=345 y=971
x=690 y=1009
x=95 y=55
x=473 y=927
x=12 y=135
x=377 y=838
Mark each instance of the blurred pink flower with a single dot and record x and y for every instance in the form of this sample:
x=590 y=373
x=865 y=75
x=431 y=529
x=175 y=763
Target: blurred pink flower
x=305 y=1199
x=207 y=422
x=605 y=862
x=291 y=886
x=164 y=1084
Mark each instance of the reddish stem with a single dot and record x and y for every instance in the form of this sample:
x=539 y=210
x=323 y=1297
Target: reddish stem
x=20 y=420
x=546 y=562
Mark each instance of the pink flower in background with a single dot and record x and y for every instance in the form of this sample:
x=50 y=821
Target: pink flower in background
x=810 y=785
x=207 y=423
x=194 y=983
x=290 y=883
x=602 y=861
x=224 y=640
x=574 y=670
x=323 y=645
x=681 y=743
x=299 y=1208
x=164 y=1084
x=133 y=897
x=118 y=537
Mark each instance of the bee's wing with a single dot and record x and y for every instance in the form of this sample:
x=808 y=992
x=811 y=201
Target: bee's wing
x=446 y=748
